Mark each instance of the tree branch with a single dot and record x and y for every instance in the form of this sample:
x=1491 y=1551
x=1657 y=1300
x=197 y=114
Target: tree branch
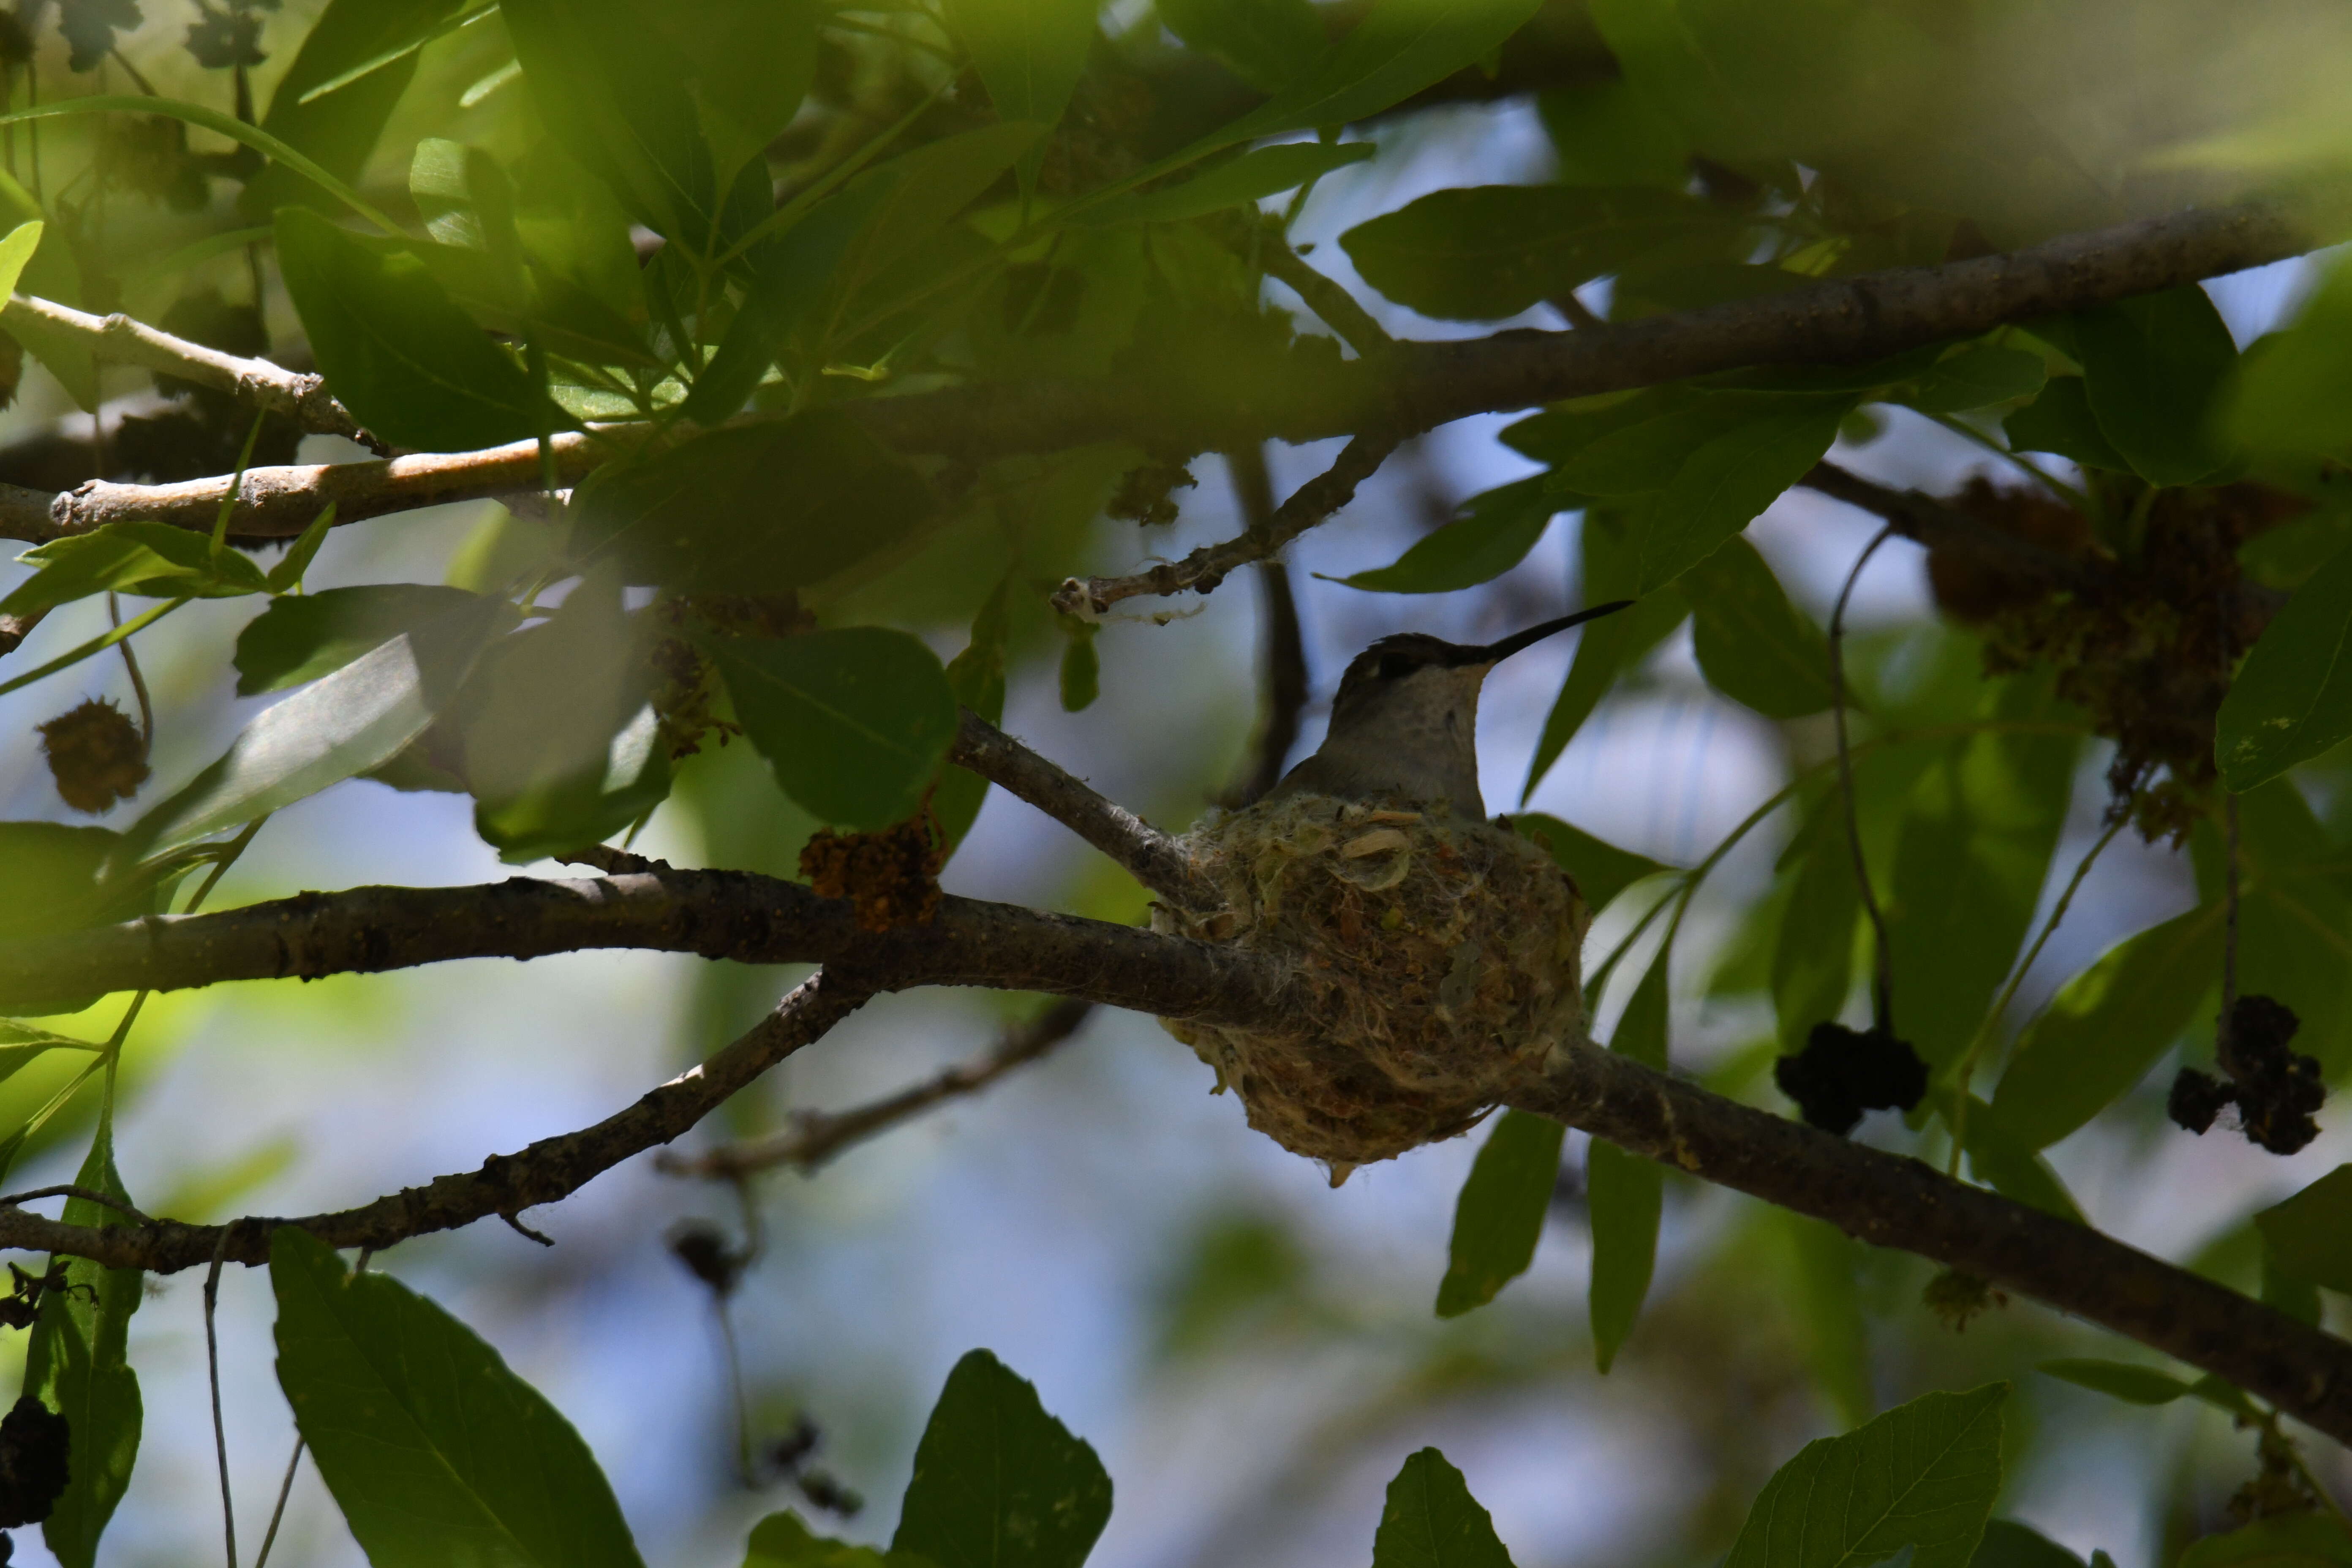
x=816 y=1136
x=1150 y=855
x=1339 y=310
x=1889 y=1199
x=715 y=914
x=301 y=398
x=1206 y=567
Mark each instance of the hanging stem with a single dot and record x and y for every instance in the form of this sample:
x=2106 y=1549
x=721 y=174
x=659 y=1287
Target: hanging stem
x=2222 y=1045
x=211 y=1371
x=285 y=1490
x=1882 y=982
x=138 y=681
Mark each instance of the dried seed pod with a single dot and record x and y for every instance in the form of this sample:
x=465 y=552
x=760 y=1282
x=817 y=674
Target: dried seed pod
x=96 y=755
x=1442 y=955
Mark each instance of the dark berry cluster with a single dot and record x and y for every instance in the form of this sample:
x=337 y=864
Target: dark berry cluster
x=1842 y=1072
x=2277 y=1092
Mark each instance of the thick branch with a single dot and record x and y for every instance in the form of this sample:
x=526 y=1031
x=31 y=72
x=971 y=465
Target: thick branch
x=816 y=1136
x=1208 y=566
x=1889 y=1199
x=1150 y=855
x=301 y=398
x=715 y=914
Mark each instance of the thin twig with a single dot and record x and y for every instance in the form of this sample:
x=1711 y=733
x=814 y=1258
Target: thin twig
x=138 y=681
x=211 y=1371
x=1340 y=309
x=285 y=1490
x=1883 y=986
x=67 y=1189
x=1282 y=649
x=1205 y=568
x=815 y=1137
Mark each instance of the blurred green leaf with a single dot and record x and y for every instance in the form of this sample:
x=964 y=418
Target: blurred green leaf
x=1431 y=1520
x=1607 y=133
x=2010 y=1165
x=1400 y=47
x=1029 y=53
x=2294 y=388
x=1499 y=1216
x=16 y=250
x=351 y=722
x=1732 y=479
x=2295 y=912
x=781 y=1541
x=1244 y=181
x=2289 y=1292
x=709 y=516
x=2285 y=1540
x=976 y=676
x=1976 y=377
x=2154 y=367
x=1268 y=43
x=998 y=1482
x=2291 y=699
x=301 y=637
x=286 y=574
x=1828 y=1302
x=1753 y=645
x=1081 y=672
x=338 y=129
x=748 y=65
x=1487 y=252
x=854 y=723
x=409 y=364
x=612 y=93
x=2009 y=1544
x=2109 y=1025
x=51 y=272
x=1974 y=849
x=152 y=560
x=1922 y=1476
x=49 y=881
x=1496 y=529
x=1600 y=870
x=434 y=1450
x=76 y=1362
x=1626 y=1192
x=2310 y=1234
x=1612 y=646
x=2061 y=421
x=2117 y=1380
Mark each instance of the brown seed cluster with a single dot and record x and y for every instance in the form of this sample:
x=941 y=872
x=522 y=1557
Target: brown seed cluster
x=1957 y=1298
x=890 y=877
x=2278 y=1092
x=96 y=755
x=2146 y=643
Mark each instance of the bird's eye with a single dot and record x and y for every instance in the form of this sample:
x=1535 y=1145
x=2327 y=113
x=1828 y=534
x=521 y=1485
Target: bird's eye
x=1396 y=666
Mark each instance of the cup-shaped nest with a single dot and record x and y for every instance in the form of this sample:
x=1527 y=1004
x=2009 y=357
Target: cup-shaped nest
x=1440 y=955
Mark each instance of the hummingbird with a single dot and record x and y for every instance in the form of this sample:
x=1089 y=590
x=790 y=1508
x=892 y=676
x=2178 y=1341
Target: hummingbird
x=1404 y=724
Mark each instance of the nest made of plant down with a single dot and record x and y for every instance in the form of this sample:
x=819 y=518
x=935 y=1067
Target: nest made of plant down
x=1441 y=955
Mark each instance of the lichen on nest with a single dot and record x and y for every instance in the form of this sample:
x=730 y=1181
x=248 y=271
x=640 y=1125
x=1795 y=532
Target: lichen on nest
x=1440 y=955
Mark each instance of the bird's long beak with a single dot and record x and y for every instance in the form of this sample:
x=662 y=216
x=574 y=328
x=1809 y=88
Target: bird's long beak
x=1495 y=652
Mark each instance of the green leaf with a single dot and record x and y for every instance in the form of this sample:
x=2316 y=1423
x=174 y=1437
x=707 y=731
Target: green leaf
x=1081 y=672
x=1490 y=251
x=781 y=1541
x=1626 y=1192
x=2294 y=388
x=2117 y=1380
x=50 y=273
x=1753 y=645
x=2283 y=1540
x=1600 y=868
x=2010 y=1165
x=2109 y=1025
x=1431 y=1520
x=2061 y=421
x=1827 y=1302
x=612 y=93
x=1028 y=52
x=340 y=129
x=1978 y=833
x=1268 y=43
x=354 y=719
x=1500 y=1215
x=1249 y=178
x=1613 y=644
x=560 y=747
x=2291 y=699
x=1497 y=530
x=1732 y=479
x=152 y=560
x=709 y=516
x=1607 y=133
x=434 y=1450
x=1976 y=377
x=855 y=723
x=998 y=1482
x=303 y=636
x=2009 y=1544
x=18 y=249
x=1924 y=1475
x=748 y=64
x=2310 y=1234
x=409 y=364
x=76 y=1362
x=295 y=564
x=2154 y=367
x=49 y=882
x=1400 y=47
x=2294 y=915
x=976 y=676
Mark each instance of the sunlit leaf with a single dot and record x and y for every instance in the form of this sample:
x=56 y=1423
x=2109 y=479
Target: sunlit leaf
x=300 y=637
x=153 y=560
x=1500 y=1215
x=340 y=128
x=434 y=1451
x=998 y=1482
